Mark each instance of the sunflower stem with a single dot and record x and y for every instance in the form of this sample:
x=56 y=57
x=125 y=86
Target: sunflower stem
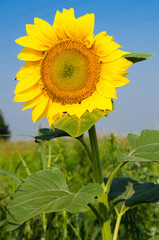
x=98 y=175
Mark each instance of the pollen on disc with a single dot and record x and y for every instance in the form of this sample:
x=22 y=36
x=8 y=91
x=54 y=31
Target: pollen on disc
x=70 y=72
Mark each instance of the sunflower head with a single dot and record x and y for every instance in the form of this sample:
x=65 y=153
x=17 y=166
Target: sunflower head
x=68 y=71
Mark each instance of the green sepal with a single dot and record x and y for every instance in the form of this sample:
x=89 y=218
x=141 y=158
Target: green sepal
x=138 y=57
x=72 y=125
x=75 y=126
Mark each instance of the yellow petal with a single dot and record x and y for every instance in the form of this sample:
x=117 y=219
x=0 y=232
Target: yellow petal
x=33 y=102
x=68 y=22
x=109 y=68
x=80 y=28
x=40 y=110
x=55 y=108
x=118 y=65
x=103 y=34
x=27 y=71
x=112 y=56
x=57 y=19
x=84 y=26
x=78 y=109
x=26 y=83
x=100 y=102
x=37 y=35
x=104 y=45
x=29 y=42
x=46 y=29
x=89 y=41
x=57 y=25
x=52 y=121
x=28 y=54
x=28 y=94
x=106 y=89
x=74 y=109
x=115 y=79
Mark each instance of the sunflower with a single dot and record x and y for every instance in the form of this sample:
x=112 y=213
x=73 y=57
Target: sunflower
x=68 y=69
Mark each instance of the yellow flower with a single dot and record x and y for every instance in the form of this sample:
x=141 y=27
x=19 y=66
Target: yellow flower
x=68 y=69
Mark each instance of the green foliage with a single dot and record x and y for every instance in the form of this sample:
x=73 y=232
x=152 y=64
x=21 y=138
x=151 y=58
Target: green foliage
x=139 y=223
x=111 y=148
x=142 y=148
x=134 y=223
x=126 y=192
x=154 y=238
x=10 y=175
x=48 y=134
x=46 y=191
x=138 y=57
x=4 y=128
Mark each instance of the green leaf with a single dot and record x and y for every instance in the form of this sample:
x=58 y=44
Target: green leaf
x=3 y=222
x=126 y=192
x=75 y=126
x=142 y=148
x=154 y=238
x=138 y=57
x=46 y=191
x=47 y=134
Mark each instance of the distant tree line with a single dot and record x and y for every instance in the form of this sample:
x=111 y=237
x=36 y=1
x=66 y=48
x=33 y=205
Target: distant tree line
x=4 y=128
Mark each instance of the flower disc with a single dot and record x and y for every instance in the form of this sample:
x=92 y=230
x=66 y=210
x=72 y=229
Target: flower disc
x=70 y=72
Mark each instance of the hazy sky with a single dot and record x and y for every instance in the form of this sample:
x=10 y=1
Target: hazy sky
x=134 y=25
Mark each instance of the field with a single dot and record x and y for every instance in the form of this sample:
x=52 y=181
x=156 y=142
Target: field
x=139 y=223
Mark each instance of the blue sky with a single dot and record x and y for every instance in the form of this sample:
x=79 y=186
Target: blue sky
x=134 y=25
